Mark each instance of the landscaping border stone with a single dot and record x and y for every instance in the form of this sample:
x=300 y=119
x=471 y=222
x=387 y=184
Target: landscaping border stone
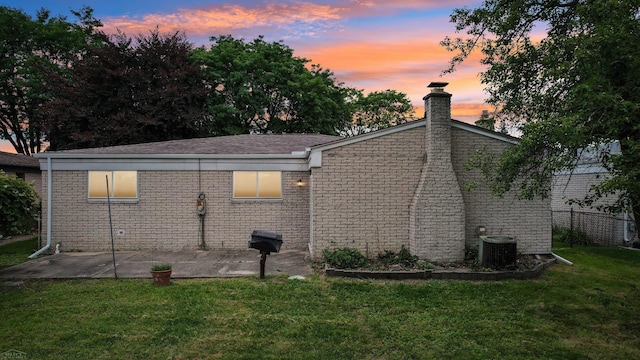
x=441 y=274
x=372 y=274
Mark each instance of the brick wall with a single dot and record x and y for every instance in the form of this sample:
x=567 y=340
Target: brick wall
x=527 y=221
x=362 y=193
x=164 y=217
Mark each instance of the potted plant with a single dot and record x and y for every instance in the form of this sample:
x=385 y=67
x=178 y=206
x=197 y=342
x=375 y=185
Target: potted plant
x=161 y=274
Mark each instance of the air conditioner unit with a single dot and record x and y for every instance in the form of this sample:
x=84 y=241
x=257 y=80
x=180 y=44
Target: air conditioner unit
x=497 y=252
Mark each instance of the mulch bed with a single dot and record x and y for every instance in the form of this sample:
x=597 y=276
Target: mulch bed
x=526 y=267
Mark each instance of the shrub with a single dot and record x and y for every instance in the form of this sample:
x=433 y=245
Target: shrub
x=563 y=234
x=345 y=258
x=18 y=205
x=471 y=254
x=403 y=257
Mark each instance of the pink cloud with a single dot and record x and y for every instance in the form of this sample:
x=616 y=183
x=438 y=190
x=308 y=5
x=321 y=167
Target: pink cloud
x=305 y=17
x=213 y=20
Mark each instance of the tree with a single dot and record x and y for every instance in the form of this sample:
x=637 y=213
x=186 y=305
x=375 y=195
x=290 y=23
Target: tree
x=576 y=88
x=489 y=122
x=127 y=91
x=18 y=205
x=378 y=110
x=261 y=87
x=26 y=46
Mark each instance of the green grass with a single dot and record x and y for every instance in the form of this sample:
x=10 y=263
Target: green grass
x=17 y=253
x=588 y=311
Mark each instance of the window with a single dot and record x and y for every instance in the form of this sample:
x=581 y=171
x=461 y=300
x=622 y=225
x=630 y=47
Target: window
x=122 y=184
x=257 y=184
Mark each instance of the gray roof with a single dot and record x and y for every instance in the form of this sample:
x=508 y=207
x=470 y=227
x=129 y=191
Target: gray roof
x=233 y=144
x=18 y=160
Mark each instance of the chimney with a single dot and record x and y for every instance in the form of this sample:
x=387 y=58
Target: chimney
x=437 y=213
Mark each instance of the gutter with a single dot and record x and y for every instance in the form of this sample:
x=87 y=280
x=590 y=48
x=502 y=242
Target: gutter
x=93 y=156
x=49 y=194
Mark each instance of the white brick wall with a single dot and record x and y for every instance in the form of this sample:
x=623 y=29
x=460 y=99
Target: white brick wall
x=164 y=218
x=361 y=198
x=362 y=193
x=528 y=221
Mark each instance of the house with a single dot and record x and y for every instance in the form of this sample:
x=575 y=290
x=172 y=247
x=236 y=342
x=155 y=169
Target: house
x=601 y=227
x=24 y=167
x=400 y=186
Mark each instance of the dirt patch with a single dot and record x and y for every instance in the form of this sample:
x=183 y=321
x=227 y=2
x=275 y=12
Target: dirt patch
x=523 y=263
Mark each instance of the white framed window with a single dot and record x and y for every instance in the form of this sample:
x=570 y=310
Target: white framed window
x=257 y=184
x=122 y=184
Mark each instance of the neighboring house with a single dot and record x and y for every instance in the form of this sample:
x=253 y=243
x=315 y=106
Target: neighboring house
x=25 y=167
x=603 y=228
x=400 y=186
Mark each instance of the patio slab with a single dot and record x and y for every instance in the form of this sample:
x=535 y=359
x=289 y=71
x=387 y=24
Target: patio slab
x=137 y=264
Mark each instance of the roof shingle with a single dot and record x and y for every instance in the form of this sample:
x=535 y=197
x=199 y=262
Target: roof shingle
x=233 y=144
x=18 y=160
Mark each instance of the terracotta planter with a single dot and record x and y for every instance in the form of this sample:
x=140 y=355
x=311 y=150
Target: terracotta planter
x=161 y=278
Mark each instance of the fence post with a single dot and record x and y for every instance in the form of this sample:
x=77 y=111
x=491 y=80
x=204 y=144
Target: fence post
x=571 y=230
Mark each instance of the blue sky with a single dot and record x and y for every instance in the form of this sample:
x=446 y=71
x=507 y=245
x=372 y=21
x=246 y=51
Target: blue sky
x=368 y=44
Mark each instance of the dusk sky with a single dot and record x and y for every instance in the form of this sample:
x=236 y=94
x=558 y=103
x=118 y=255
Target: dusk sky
x=368 y=44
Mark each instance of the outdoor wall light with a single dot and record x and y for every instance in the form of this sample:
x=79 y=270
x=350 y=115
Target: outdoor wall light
x=299 y=182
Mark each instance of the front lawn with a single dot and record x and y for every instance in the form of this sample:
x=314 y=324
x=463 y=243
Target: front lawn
x=589 y=311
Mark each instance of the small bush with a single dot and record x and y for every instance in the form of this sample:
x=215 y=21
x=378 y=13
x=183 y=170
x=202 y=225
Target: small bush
x=563 y=234
x=18 y=205
x=345 y=258
x=471 y=254
x=403 y=257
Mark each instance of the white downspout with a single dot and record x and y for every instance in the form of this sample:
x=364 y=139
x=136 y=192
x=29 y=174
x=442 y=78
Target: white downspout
x=49 y=182
x=310 y=189
x=562 y=260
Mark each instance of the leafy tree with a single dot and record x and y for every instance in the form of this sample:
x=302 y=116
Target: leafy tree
x=18 y=205
x=572 y=88
x=261 y=87
x=127 y=91
x=486 y=121
x=489 y=122
x=26 y=46
x=378 y=110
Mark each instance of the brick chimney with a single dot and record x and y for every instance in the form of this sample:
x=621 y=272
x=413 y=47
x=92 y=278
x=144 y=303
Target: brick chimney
x=437 y=220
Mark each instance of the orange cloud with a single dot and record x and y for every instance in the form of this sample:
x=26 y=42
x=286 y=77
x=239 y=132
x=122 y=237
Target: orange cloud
x=6 y=146
x=407 y=64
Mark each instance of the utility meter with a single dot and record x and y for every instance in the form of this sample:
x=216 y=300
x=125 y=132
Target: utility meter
x=201 y=207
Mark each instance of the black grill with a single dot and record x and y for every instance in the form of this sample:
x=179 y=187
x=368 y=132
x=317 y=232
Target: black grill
x=265 y=241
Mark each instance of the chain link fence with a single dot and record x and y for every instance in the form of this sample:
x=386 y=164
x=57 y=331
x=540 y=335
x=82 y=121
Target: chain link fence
x=595 y=228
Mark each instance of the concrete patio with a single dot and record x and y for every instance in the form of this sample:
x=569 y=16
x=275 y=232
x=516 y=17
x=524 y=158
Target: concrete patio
x=137 y=264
